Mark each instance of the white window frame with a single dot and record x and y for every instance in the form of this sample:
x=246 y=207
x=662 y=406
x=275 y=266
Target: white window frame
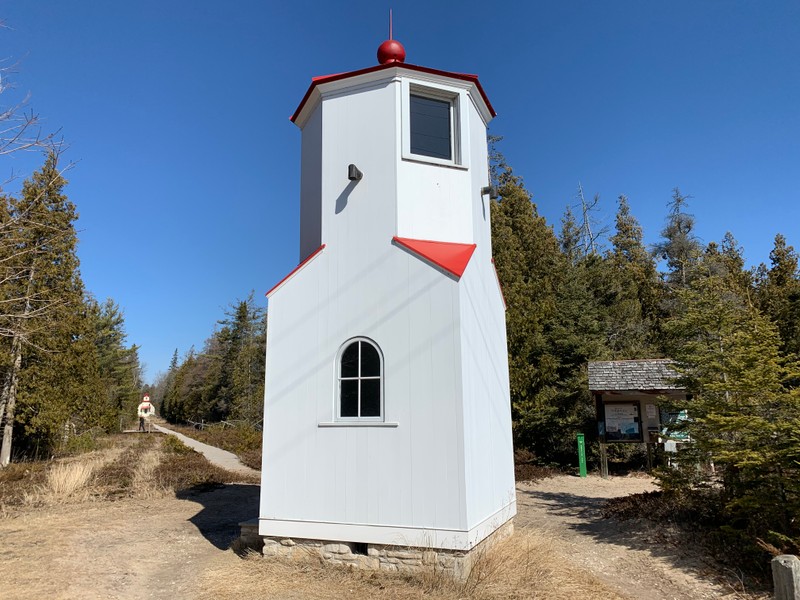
x=338 y=407
x=458 y=121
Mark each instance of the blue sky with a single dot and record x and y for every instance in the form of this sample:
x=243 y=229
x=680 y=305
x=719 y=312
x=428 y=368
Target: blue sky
x=187 y=176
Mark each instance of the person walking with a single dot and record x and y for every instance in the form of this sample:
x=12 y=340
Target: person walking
x=145 y=411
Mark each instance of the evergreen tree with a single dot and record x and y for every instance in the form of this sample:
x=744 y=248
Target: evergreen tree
x=680 y=248
x=163 y=388
x=550 y=323
x=569 y=239
x=742 y=415
x=119 y=366
x=249 y=329
x=633 y=310
x=51 y=378
x=779 y=294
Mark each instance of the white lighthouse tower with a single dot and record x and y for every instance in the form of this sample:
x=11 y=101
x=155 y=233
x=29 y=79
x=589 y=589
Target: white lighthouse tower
x=387 y=418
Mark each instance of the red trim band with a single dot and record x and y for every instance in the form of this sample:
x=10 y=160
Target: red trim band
x=295 y=270
x=315 y=81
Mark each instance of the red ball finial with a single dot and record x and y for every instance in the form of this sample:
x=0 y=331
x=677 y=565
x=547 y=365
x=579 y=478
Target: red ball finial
x=391 y=51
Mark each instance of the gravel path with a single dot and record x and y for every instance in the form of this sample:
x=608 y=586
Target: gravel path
x=217 y=456
x=624 y=554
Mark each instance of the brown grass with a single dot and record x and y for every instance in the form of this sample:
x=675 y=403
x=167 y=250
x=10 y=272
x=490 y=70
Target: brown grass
x=67 y=479
x=527 y=467
x=18 y=480
x=140 y=466
x=525 y=566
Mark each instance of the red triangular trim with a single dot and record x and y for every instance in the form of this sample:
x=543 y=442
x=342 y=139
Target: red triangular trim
x=450 y=256
x=295 y=270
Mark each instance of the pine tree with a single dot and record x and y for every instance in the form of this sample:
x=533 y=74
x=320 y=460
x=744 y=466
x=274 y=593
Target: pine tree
x=680 y=247
x=51 y=379
x=634 y=308
x=569 y=239
x=119 y=366
x=779 y=294
x=550 y=327
x=249 y=365
x=742 y=415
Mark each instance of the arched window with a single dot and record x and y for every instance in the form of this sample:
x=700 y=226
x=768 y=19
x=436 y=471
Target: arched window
x=360 y=373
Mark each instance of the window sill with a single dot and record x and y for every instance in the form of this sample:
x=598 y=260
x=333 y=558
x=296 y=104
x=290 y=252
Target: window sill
x=417 y=158
x=357 y=424
x=433 y=161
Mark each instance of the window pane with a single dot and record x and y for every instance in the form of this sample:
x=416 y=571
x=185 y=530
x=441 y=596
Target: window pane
x=370 y=361
x=349 y=398
x=350 y=361
x=370 y=397
x=430 y=127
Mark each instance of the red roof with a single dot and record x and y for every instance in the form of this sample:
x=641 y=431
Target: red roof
x=450 y=256
x=315 y=81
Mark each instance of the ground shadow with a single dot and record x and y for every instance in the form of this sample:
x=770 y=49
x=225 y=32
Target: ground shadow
x=680 y=547
x=223 y=508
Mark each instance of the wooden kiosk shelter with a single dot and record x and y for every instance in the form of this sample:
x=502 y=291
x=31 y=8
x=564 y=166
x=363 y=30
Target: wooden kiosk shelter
x=626 y=396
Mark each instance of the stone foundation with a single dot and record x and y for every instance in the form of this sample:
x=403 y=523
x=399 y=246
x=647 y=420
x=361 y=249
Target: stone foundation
x=454 y=563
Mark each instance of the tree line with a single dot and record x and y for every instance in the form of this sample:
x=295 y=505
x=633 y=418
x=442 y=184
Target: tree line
x=225 y=380
x=734 y=333
x=65 y=365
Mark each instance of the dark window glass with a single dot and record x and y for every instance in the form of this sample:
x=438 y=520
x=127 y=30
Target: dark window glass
x=349 y=398
x=350 y=361
x=370 y=397
x=430 y=127
x=370 y=361
x=360 y=381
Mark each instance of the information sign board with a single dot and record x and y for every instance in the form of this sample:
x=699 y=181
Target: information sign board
x=622 y=422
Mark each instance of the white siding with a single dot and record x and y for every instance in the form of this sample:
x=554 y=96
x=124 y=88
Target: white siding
x=442 y=476
x=434 y=202
x=407 y=476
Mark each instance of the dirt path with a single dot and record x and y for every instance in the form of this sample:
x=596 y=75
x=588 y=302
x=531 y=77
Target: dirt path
x=163 y=546
x=130 y=549
x=626 y=554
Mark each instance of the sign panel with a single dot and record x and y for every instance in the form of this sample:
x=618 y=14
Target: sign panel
x=671 y=425
x=650 y=409
x=622 y=422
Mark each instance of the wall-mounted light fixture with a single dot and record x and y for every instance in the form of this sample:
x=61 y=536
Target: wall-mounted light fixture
x=491 y=191
x=353 y=174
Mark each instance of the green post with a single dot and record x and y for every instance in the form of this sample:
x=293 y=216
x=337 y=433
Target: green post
x=581 y=455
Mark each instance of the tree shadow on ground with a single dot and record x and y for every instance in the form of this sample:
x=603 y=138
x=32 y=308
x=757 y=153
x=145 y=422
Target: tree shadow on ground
x=223 y=508
x=678 y=546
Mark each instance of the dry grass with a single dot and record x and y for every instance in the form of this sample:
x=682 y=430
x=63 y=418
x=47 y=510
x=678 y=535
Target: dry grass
x=17 y=481
x=67 y=479
x=525 y=566
x=527 y=467
x=140 y=466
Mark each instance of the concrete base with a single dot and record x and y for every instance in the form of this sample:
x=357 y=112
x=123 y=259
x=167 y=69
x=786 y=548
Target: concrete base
x=454 y=563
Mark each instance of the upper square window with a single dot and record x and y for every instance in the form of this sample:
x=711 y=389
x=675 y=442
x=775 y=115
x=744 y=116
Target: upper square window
x=360 y=381
x=431 y=127
x=434 y=123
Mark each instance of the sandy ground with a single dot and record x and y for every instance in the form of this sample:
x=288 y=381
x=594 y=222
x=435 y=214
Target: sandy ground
x=160 y=548
x=128 y=549
x=627 y=555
